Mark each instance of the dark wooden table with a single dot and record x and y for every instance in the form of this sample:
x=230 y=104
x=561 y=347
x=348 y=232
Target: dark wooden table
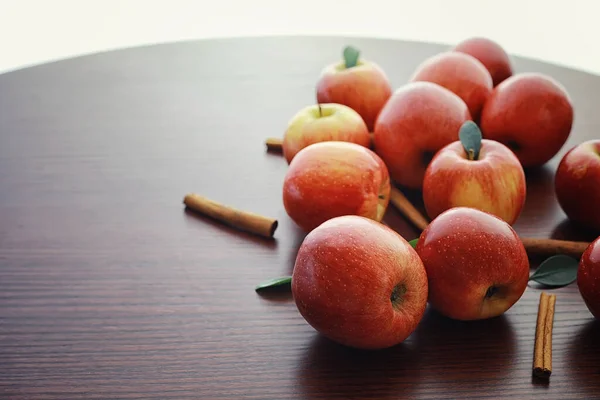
x=109 y=289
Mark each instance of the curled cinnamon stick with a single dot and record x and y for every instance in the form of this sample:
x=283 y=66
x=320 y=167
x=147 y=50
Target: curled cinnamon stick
x=274 y=144
x=539 y=246
x=542 y=359
x=239 y=219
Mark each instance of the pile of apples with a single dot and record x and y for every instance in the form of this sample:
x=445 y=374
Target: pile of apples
x=462 y=130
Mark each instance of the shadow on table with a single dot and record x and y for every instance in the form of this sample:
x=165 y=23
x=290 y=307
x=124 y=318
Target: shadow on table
x=441 y=355
x=332 y=370
x=454 y=351
x=540 y=201
x=191 y=215
x=569 y=230
x=582 y=358
x=298 y=237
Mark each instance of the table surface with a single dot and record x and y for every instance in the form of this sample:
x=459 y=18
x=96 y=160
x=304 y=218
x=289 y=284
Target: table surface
x=110 y=289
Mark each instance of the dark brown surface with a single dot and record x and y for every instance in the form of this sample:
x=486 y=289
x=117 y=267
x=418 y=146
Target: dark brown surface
x=109 y=289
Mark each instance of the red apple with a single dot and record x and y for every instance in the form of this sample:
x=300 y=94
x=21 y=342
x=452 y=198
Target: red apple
x=588 y=277
x=490 y=54
x=364 y=88
x=359 y=283
x=330 y=179
x=459 y=73
x=324 y=122
x=494 y=182
x=532 y=114
x=477 y=266
x=577 y=184
x=418 y=120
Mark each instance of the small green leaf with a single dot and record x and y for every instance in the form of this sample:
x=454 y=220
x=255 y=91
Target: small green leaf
x=413 y=243
x=556 y=271
x=275 y=282
x=351 y=56
x=470 y=138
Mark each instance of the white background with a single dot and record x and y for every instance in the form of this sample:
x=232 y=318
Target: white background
x=34 y=31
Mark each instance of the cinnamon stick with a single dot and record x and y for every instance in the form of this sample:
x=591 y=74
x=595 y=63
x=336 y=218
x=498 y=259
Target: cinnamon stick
x=400 y=201
x=540 y=246
x=542 y=359
x=274 y=144
x=548 y=247
x=242 y=220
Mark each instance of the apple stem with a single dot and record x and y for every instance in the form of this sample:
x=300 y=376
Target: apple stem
x=471 y=154
x=320 y=110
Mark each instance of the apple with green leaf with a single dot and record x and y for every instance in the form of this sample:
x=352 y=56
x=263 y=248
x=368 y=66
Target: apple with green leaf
x=476 y=264
x=418 y=120
x=330 y=179
x=321 y=123
x=577 y=184
x=359 y=283
x=475 y=172
x=532 y=114
x=357 y=83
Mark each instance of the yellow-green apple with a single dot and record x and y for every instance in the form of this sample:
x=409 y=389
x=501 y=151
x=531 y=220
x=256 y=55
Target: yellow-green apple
x=359 y=283
x=477 y=266
x=418 y=120
x=361 y=85
x=489 y=178
x=577 y=184
x=324 y=122
x=460 y=73
x=330 y=179
x=490 y=54
x=532 y=114
x=588 y=277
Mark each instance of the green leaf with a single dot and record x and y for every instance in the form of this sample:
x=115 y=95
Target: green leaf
x=413 y=243
x=470 y=138
x=275 y=282
x=351 y=56
x=556 y=271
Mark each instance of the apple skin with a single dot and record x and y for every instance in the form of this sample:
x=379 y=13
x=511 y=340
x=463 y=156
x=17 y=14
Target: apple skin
x=494 y=183
x=577 y=184
x=532 y=114
x=359 y=283
x=333 y=122
x=493 y=57
x=330 y=179
x=588 y=277
x=418 y=120
x=477 y=266
x=461 y=74
x=365 y=88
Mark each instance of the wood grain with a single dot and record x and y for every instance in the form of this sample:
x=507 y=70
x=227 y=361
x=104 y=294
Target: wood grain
x=110 y=289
